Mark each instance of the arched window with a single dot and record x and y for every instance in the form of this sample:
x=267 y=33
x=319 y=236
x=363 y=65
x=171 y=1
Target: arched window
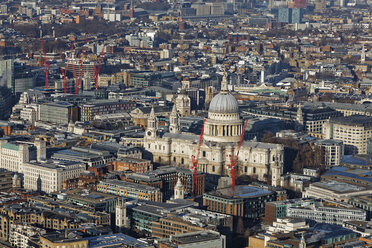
x=182 y=161
x=174 y=159
x=213 y=168
x=254 y=170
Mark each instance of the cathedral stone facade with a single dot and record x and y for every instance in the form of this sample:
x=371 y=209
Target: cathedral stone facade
x=222 y=131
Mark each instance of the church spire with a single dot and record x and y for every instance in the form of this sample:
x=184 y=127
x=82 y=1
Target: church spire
x=152 y=113
x=174 y=120
x=302 y=242
x=152 y=124
x=179 y=189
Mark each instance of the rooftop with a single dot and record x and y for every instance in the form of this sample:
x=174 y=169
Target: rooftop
x=115 y=240
x=356 y=120
x=195 y=237
x=338 y=187
x=240 y=191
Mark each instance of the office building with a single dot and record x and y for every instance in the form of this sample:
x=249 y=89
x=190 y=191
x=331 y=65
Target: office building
x=332 y=151
x=358 y=177
x=49 y=176
x=284 y=15
x=24 y=236
x=89 y=110
x=335 y=191
x=207 y=239
x=354 y=131
x=136 y=165
x=363 y=202
x=13 y=156
x=96 y=200
x=243 y=201
x=191 y=220
x=308 y=117
x=58 y=112
x=130 y=190
x=61 y=239
x=286 y=225
x=329 y=215
x=279 y=209
x=7 y=74
x=300 y=3
x=296 y=15
x=166 y=177
x=116 y=240
x=6 y=102
x=143 y=214
x=6 y=181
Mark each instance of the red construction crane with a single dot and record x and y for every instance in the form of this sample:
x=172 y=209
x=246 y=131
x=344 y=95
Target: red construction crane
x=80 y=60
x=235 y=159
x=76 y=83
x=65 y=71
x=96 y=71
x=195 y=160
x=46 y=62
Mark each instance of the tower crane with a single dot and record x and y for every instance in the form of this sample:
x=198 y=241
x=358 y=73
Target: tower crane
x=65 y=71
x=195 y=160
x=81 y=61
x=46 y=62
x=76 y=83
x=235 y=159
x=96 y=70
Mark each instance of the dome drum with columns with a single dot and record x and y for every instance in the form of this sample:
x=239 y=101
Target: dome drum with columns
x=222 y=132
x=223 y=123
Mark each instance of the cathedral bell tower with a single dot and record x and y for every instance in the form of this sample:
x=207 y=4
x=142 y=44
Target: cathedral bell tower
x=152 y=124
x=179 y=189
x=299 y=118
x=174 y=121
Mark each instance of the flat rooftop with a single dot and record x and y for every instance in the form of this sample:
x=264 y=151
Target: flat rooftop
x=124 y=184
x=92 y=197
x=115 y=240
x=338 y=187
x=356 y=120
x=195 y=237
x=240 y=191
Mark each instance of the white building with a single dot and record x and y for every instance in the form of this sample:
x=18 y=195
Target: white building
x=222 y=131
x=334 y=191
x=30 y=113
x=20 y=235
x=333 y=151
x=329 y=215
x=13 y=156
x=49 y=176
x=286 y=225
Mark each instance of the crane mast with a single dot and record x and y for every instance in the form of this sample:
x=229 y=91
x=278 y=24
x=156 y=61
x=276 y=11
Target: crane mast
x=235 y=159
x=195 y=160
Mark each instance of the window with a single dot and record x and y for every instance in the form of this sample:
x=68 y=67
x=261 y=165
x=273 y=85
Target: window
x=204 y=154
x=213 y=169
x=182 y=161
x=254 y=170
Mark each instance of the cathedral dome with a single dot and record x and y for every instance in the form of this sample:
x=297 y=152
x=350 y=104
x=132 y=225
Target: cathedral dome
x=224 y=103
